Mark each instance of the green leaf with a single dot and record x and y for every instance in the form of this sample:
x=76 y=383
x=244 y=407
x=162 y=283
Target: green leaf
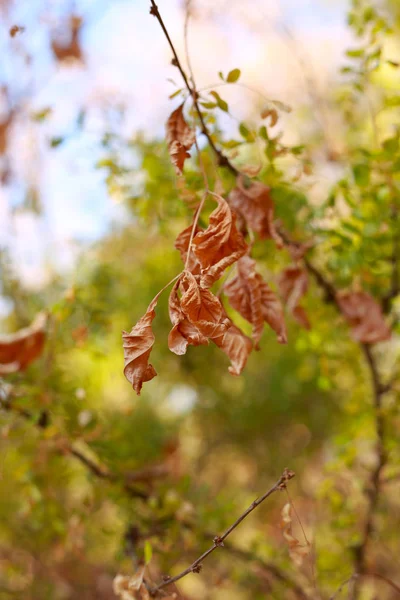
x=355 y=53
x=56 y=141
x=361 y=174
x=209 y=104
x=221 y=76
x=148 y=552
x=221 y=103
x=244 y=131
x=176 y=93
x=233 y=75
x=41 y=115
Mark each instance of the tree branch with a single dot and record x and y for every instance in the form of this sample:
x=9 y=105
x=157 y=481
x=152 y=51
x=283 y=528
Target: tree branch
x=218 y=542
x=222 y=159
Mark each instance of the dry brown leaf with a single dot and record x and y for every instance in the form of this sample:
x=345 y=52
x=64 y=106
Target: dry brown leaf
x=293 y=285
x=18 y=350
x=180 y=138
x=196 y=316
x=297 y=551
x=71 y=51
x=237 y=346
x=137 y=348
x=183 y=333
x=251 y=296
x=220 y=245
x=255 y=205
x=364 y=316
x=4 y=132
x=182 y=244
x=16 y=29
x=270 y=113
x=202 y=308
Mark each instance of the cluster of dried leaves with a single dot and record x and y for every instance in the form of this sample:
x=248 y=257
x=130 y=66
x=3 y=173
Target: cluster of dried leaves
x=197 y=314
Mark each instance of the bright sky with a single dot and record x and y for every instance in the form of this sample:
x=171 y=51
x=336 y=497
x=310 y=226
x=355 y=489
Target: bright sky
x=128 y=62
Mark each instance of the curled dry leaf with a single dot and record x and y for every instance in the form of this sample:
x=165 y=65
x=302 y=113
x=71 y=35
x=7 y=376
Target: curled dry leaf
x=364 y=316
x=237 y=346
x=293 y=285
x=220 y=245
x=297 y=551
x=180 y=138
x=137 y=348
x=251 y=296
x=18 y=350
x=196 y=316
x=270 y=113
x=182 y=244
x=183 y=333
x=255 y=205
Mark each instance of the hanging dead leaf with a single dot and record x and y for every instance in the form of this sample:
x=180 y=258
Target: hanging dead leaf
x=184 y=333
x=293 y=285
x=297 y=551
x=71 y=51
x=365 y=317
x=255 y=205
x=180 y=138
x=18 y=350
x=137 y=348
x=251 y=296
x=220 y=245
x=237 y=346
x=197 y=315
x=182 y=244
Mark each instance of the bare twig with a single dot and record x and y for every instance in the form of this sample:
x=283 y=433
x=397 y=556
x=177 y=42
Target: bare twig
x=374 y=485
x=218 y=542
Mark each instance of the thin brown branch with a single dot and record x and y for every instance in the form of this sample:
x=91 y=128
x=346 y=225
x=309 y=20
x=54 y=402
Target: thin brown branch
x=374 y=485
x=218 y=542
x=222 y=159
